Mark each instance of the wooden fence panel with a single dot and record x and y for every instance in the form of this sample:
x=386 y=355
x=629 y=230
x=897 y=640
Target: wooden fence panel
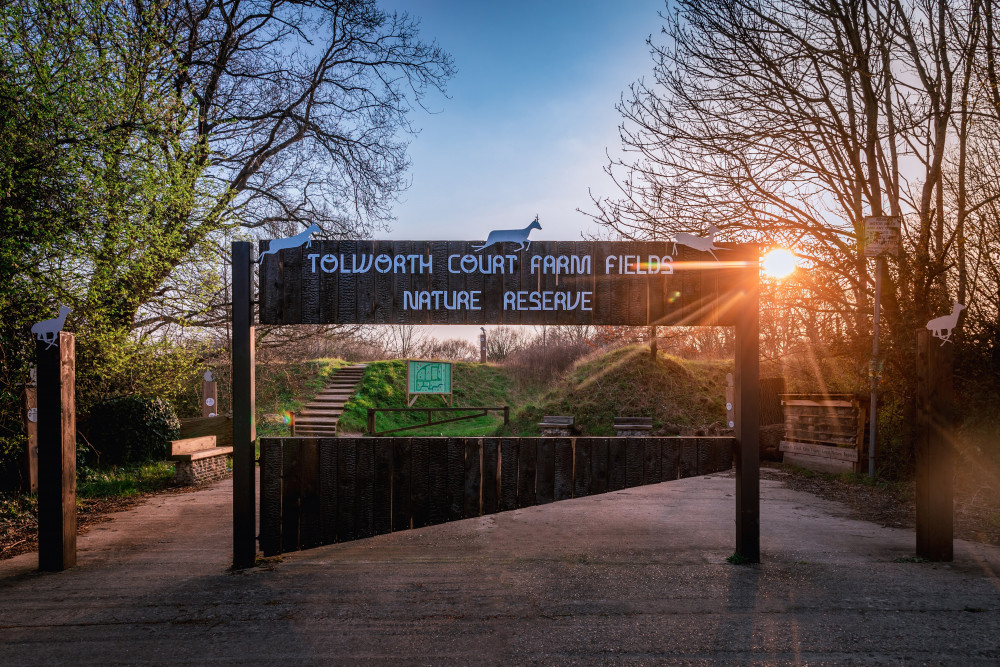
x=491 y=463
x=670 y=456
x=599 y=452
x=527 y=464
x=508 y=474
x=545 y=471
x=563 y=470
x=473 y=477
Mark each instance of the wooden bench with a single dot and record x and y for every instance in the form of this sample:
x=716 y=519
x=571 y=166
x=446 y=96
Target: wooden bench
x=633 y=427
x=557 y=426
x=198 y=460
x=825 y=432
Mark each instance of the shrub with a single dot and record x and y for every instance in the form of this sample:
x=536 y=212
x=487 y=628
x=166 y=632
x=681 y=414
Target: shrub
x=130 y=429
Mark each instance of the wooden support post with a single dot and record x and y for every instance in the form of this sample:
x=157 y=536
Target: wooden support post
x=209 y=399
x=935 y=462
x=29 y=411
x=244 y=429
x=57 y=453
x=747 y=410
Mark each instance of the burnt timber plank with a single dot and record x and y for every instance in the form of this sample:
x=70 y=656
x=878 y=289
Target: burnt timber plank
x=616 y=463
x=347 y=471
x=705 y=456
x=456 y=281
x=383 y=286
x=347 y=283
x=291 y=260
x=599 y=465
x=563 y=469
x=581 y=467
x=670 y=456
x=382 y=486
x=401 y=466
x=511 y=283
x=638 y=286
x=365 y=307
x=400 y=284
x=310 y=281
x=456 y=478
x=328 y=489
x=270 y=496
x=290 y=495
x=271 y=285
x=439 y=281
x=437 y=482
x=724 y=448
x=689 y=457
x=491 y=464
x=419 y=487
x=364 y=516
x=633 y=461
x=473 y=478
x=420 y=280
x=545 y=471
x=493 y=285
x=651 y=460
x=527 y=453
x=508 y=474
x=310 y=530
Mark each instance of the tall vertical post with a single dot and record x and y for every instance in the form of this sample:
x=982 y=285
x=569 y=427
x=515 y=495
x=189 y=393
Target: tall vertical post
x=244 y=428
x=482 y=346
x=29 y=407
x=747 y=411
x=935 y=462
x=873 y=370
x=57 y=453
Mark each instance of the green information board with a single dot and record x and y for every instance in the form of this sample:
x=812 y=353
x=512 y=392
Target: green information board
x=427 y=377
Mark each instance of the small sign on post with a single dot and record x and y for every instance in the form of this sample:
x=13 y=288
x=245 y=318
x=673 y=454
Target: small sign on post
x=209 y=396
x=882 y=235
x=427 y=377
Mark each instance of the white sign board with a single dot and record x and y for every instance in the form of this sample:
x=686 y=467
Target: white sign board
x=882 y=236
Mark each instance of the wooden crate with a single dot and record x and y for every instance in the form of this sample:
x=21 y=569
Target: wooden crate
x=825 y=432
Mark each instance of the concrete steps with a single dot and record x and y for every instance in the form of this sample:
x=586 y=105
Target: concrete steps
x=319 y=418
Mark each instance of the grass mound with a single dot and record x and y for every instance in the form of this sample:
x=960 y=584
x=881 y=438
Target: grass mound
x=384 y=386
x=681 y=396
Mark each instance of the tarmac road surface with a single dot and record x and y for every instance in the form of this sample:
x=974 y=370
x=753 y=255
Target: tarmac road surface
x=637 y=576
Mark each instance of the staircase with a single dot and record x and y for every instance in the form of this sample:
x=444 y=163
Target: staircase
x=319 y=418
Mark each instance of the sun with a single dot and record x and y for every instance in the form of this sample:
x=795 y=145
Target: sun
x=779 y=263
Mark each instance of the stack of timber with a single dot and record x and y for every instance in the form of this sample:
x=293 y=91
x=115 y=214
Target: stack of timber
x=825 y=432
x=319 y=418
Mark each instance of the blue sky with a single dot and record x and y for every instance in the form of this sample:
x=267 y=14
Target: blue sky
x=529 y=117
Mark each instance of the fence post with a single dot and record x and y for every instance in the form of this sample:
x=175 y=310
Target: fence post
x=935 y=458
x=244 y=430
x=56 y=452
x=29 y=407
x=747 y=411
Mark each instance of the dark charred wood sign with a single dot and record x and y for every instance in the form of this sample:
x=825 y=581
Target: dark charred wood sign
x=550 y=282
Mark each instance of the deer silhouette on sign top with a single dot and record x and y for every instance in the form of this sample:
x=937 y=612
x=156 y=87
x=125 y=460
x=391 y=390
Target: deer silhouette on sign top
x=519 y=236
x=47 y=331
x=703 y=243
x=941 y=327
x=290 y=242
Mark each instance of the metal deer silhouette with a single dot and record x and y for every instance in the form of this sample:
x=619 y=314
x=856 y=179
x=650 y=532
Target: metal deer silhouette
x=941 y=327
x=290 y=242
x=703 y=243
x=47 y=331
x=519 y=236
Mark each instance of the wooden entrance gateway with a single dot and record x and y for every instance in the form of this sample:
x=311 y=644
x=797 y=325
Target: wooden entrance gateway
x=316 y=491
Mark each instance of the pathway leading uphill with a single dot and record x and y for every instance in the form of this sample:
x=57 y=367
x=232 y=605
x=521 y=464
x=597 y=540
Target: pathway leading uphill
x=319 y=418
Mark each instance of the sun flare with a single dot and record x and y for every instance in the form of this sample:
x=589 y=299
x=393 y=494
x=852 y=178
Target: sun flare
x=779 y=263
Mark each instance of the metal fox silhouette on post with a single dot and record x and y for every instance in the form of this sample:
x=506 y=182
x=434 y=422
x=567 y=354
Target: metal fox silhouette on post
x=47 y=331
x=290 y=242
x=519 y=236
x=941 y=327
